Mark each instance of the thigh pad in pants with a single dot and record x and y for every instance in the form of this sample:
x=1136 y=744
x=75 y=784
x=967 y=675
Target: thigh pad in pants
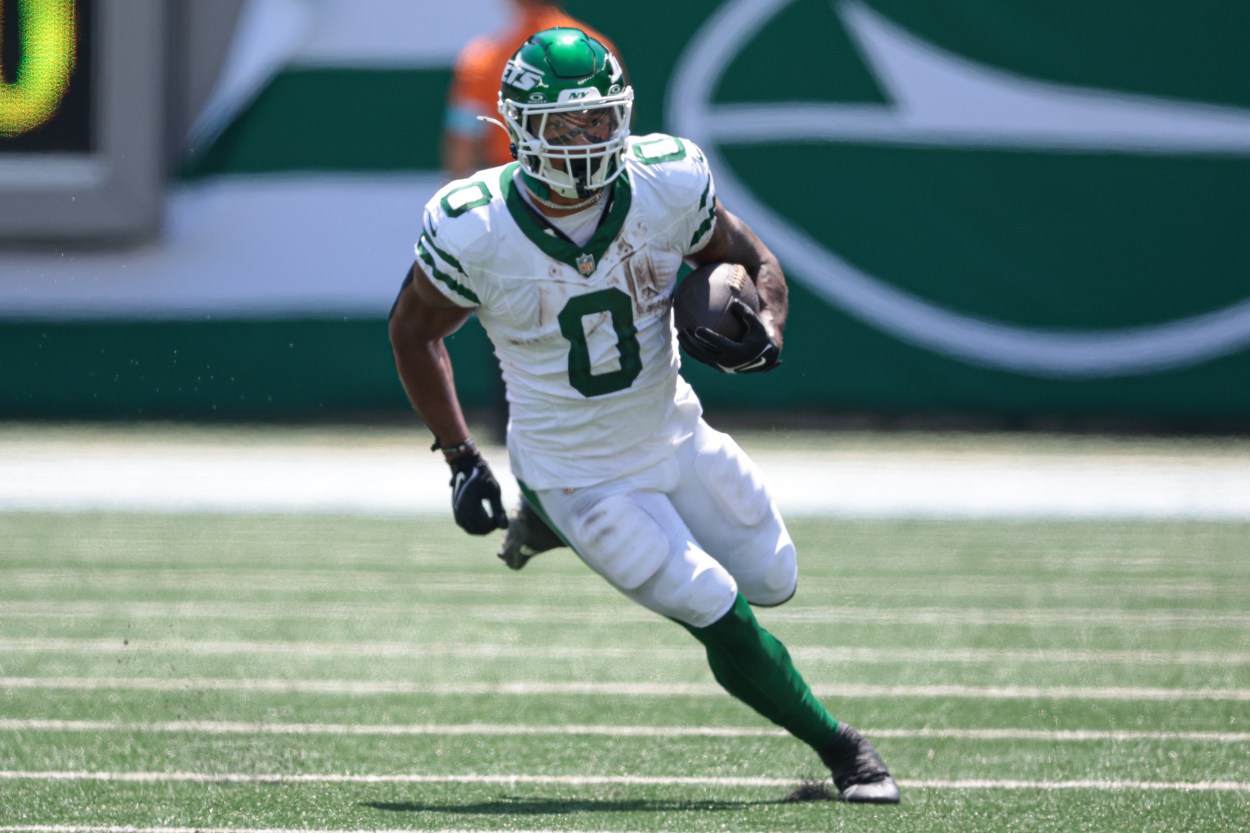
x=620 y=540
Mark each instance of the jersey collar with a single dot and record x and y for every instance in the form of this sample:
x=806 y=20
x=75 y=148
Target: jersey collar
x=585 y=259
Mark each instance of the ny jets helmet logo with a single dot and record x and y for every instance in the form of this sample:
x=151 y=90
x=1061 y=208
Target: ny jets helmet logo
x=939 y=99
x=523 y=76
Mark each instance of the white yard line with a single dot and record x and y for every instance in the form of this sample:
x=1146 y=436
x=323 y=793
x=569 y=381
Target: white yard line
x=594 y=689
x=281 y=610
x=131 y=828
x=182 y=577
x=1106 y=785
x=405 y=650
x=1090 y=784
x=218 y=727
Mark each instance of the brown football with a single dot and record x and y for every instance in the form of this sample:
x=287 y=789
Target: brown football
x=704 y=296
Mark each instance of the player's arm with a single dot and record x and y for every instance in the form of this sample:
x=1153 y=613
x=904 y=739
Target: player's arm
x=733 y=241
x=420 y=319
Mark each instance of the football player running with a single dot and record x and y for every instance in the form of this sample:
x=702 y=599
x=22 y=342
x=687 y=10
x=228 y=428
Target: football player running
x=569 y=257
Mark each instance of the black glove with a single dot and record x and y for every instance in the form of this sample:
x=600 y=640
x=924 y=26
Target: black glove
x=756 y=352
x=472 y=488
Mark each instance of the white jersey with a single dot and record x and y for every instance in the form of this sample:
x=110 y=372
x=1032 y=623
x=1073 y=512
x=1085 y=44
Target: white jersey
x=583 y=333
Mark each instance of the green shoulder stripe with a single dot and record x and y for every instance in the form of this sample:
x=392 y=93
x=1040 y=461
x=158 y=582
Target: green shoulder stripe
x=446 y=258
x=711 y=215
x=460 y=289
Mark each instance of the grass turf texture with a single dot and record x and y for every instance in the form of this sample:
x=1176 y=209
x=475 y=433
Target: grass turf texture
x=197 y=648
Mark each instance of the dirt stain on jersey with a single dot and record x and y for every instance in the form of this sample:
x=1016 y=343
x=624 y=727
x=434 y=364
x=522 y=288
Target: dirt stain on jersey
x=644 y=282
x=541 y=306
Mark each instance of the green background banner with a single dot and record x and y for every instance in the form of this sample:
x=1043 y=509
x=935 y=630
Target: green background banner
x=997 y=209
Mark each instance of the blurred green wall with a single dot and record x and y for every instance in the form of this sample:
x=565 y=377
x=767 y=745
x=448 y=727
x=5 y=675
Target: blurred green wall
x=996 y=208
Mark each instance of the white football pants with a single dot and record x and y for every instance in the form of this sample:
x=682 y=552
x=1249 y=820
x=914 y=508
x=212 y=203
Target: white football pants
x=683 y=539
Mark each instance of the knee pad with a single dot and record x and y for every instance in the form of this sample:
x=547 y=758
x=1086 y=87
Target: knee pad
x=780 y=580
x=696 y=591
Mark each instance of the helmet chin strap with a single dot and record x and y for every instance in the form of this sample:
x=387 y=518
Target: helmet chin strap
x=541 y=191
x=546 y=189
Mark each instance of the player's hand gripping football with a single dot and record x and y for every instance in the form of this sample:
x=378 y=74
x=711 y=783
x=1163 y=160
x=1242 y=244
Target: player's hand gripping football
x=755 y=352
x=476 y=500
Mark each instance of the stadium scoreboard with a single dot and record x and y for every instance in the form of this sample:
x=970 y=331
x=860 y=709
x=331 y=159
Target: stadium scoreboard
x=81 y=120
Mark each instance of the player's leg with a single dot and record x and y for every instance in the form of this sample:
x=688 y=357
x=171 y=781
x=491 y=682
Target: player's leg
x=754 y=666
x=638 y=541
x=635 y=539
x=723 y=498
x=527 y=535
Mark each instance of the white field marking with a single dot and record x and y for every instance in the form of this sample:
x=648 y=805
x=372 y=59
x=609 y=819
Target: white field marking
x=282 y=611
x=212 y=727
x=266 y=581
x=810 y=653
x=361 y=579
x=130 y=828
x=218 y=727
x=1061 y=735
x=620 y=689
x=130 y=571
x=1098 y=785
x=591 y=780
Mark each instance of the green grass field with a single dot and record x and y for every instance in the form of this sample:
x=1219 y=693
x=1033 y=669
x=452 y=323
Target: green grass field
x=165 y=672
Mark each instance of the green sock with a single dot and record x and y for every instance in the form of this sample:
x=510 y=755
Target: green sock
x=752 y=665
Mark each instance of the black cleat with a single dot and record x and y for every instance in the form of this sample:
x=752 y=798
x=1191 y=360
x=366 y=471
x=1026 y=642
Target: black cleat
x=527 y=536
x=858 y=771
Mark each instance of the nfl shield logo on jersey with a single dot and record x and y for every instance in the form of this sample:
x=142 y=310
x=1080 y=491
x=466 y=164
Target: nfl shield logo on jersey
x=586 y=264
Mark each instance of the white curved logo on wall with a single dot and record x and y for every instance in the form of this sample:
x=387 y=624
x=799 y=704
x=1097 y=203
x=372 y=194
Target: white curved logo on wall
x=941 y=99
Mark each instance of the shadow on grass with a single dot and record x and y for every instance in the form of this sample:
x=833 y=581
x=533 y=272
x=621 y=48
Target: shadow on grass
x=515 y=805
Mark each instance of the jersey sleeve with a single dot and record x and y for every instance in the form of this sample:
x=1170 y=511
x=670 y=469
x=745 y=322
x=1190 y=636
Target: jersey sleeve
x=685 y=183
x=703 y=218
x=439 y=248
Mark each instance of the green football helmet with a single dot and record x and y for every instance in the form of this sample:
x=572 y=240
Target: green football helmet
x=566 y=107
